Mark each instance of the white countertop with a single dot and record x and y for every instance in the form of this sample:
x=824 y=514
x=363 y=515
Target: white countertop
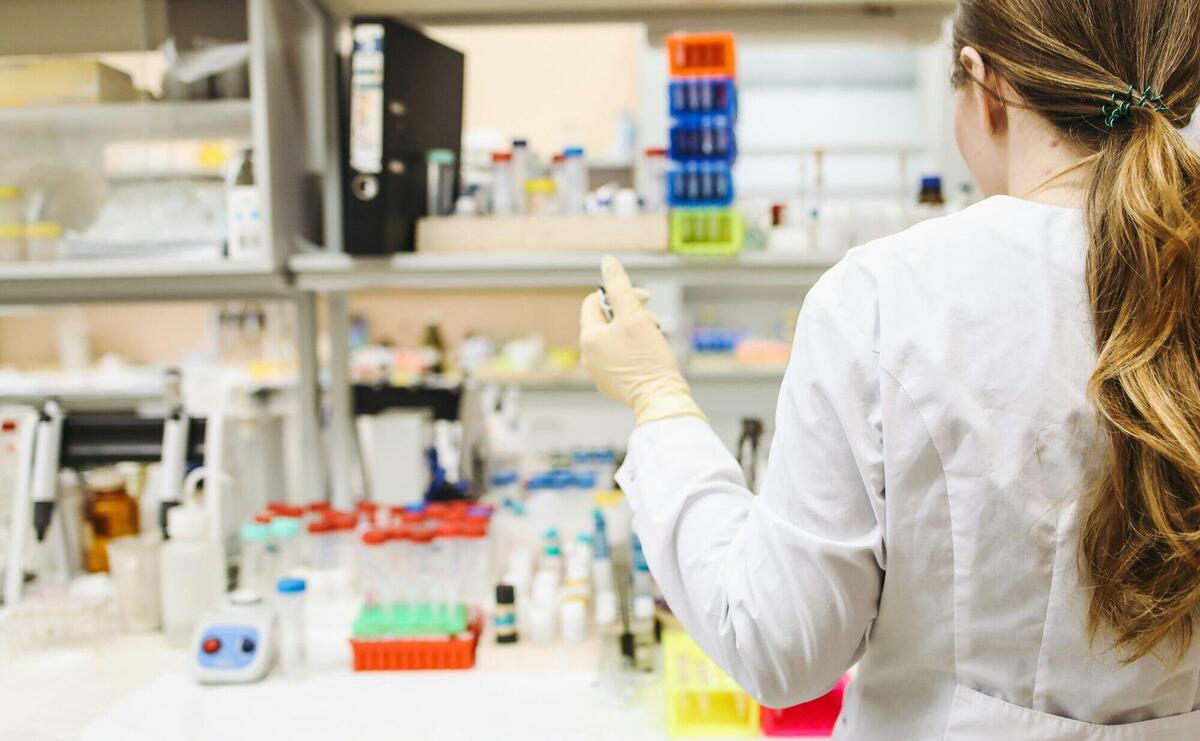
x=135 y=687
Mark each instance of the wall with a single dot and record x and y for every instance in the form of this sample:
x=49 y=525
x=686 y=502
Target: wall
x=555 y=85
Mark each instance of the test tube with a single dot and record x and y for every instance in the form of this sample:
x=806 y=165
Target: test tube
x=321 y=550
x=401 y=547
x=290 y=600
x=376 y=567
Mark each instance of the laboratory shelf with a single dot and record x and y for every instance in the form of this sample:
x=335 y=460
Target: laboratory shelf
x=339 y=272
x=498 y=11
x=132 y=279
x=207 y=119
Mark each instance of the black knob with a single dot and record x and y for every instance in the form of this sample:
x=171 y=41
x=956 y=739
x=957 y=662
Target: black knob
x=248 y=645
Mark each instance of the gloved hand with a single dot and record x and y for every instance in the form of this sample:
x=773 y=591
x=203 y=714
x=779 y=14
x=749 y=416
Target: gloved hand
x=628 y=358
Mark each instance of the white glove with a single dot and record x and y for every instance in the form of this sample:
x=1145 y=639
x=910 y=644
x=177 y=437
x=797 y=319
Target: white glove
x=628 y=358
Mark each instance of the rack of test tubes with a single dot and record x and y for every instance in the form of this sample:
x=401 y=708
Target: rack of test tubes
x=423 y=573
x=702 y=95
x=702 y=701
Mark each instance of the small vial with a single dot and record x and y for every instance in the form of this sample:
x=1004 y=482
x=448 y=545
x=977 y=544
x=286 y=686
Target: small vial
x=575 y=177
x=290 y=599
x=520 y=173
x=504 y=199
x=376 y=567
x=505 y=617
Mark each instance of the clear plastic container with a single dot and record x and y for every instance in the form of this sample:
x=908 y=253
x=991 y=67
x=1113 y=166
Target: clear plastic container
x=287 y=545
x=520 y=164
x=291 y=604
x=133 y=563
x=254 y=570
x=575 y=177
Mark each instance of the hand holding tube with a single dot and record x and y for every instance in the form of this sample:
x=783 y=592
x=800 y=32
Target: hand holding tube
x=628 y=358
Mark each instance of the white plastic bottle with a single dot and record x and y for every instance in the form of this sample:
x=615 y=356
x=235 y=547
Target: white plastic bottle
x=243 y=213
x=192 y=567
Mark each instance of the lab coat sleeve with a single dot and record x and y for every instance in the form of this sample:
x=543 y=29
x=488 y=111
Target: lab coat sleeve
x=779 y=589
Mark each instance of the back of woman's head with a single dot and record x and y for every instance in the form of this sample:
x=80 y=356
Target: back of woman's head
x=1119 y=78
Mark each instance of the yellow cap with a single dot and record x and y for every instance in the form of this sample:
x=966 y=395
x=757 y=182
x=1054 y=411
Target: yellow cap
x=9 y=192
x=44 y=229
x=540 y=185
x=10 y=231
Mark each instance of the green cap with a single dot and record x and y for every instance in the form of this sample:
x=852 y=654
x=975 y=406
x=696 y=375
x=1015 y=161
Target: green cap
x=285 y=527
x=253 y=532
x=440 y=157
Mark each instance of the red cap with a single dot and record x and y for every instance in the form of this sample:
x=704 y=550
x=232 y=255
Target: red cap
x=560 y=157
x=655 y=152
x=376 y=537
x=420 y=536
x=451 y=529
x=476 y=528
x=412 y=517
x=343 y=521
x=367 y=507
x=501 y=156
x=320 y=526
x=437 y=509
x=400 y=533
x=319 y=507
x=285 y=510
x=264 y=518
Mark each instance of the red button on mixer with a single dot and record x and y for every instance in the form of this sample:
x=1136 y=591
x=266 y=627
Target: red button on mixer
x=212 y=645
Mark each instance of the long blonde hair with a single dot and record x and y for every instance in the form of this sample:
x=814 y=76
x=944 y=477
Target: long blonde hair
x=1120 y=78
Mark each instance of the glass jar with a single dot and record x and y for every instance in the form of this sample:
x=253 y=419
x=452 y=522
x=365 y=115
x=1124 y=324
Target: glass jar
x=108 y=513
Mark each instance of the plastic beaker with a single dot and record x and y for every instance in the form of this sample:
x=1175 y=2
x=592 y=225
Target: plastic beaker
x=133 y=563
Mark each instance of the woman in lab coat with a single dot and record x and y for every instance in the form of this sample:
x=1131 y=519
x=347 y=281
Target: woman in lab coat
x=984 y=485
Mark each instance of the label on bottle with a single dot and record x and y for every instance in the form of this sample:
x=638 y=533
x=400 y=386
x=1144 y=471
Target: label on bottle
x=245 y=222
x=366 y=99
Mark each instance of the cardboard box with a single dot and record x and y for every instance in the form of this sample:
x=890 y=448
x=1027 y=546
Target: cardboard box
x=541 y=234
x=61 y=80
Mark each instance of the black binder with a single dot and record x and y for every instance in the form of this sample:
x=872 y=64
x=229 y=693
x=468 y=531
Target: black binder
x=402 y=95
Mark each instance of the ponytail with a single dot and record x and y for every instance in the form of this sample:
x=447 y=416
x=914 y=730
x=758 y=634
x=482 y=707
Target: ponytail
x=1118 y=79
x=1140 y=538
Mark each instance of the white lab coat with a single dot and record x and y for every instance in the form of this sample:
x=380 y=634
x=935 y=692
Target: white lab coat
x=920 y=512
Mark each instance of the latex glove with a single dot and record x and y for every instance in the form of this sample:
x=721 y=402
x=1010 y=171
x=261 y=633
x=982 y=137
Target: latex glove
x=628 y=358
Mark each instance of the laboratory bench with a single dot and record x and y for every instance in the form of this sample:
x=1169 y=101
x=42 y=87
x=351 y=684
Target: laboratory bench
x=133 y=687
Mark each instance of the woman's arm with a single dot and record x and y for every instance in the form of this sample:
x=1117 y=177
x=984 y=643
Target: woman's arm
x=779 y=589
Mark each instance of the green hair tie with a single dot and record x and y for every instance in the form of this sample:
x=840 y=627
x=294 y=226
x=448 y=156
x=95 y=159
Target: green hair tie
x=1119 y=105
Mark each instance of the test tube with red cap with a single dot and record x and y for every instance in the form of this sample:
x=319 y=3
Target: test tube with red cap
x=376 y=567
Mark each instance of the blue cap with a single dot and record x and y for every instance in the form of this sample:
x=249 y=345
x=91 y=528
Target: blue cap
x=290 y=586
x=931 y=181
x=520 y=143
x=417 y=508
x=573 y=152
x=504 y=478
